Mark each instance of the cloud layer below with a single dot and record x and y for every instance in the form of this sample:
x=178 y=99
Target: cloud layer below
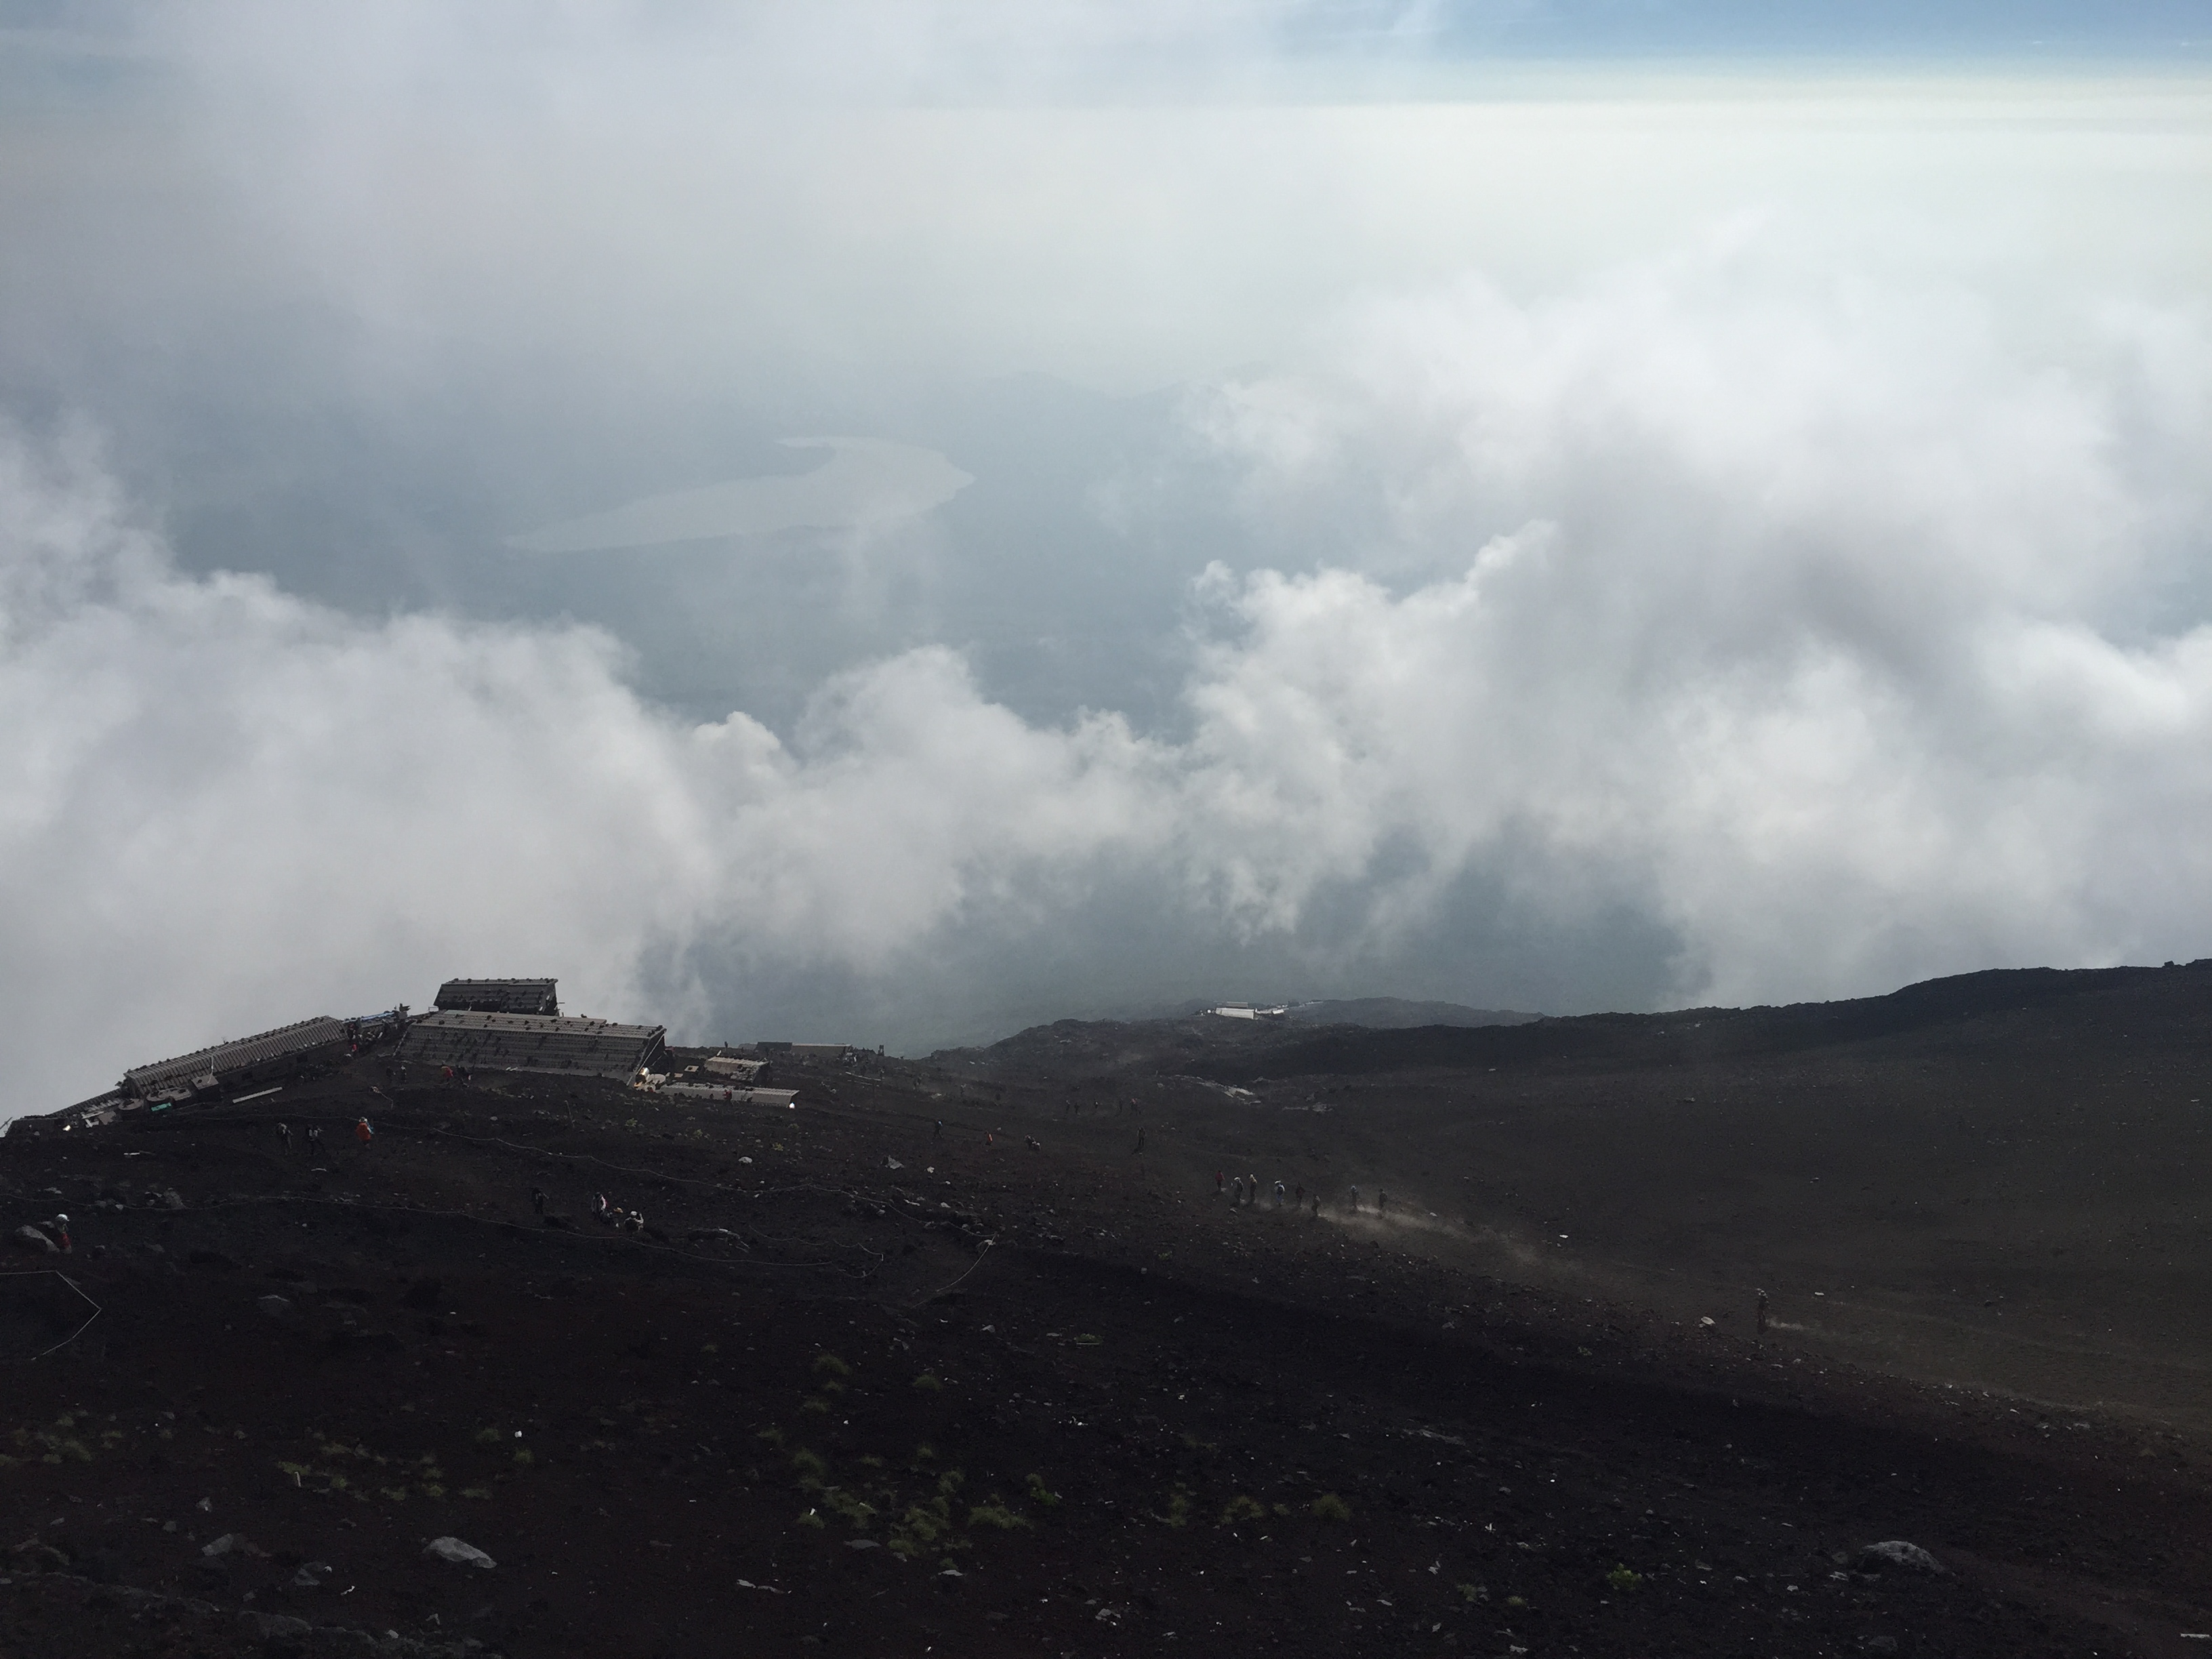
x=1824 y=629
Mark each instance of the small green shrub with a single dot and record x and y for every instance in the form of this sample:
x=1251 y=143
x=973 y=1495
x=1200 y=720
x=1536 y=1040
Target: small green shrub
x=928 y=1381
x=1472 y=1593
x=812 y=1518
x=1329 y=1507
x=1241 y=1508
x=828 y=1364
x=1040 y=1494
x=1622 y=1580
x=995 y=1514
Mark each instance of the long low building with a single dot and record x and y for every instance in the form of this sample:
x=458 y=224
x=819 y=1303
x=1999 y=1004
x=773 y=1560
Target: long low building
x=565 y=1046
x=244 y=1061
x=737 y=1094
x=497 y=996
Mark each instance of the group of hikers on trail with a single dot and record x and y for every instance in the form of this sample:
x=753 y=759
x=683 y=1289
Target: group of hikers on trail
x=1244 y=1191
x=364 y=1135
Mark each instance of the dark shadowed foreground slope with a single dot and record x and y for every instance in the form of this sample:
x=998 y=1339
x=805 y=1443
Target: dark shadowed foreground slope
x=867 y=1385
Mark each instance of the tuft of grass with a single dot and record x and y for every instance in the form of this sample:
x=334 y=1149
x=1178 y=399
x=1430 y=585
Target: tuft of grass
x=928 y=1381
x=1241 y=1508
x=1515 y=1601
x=480 y=1492
x=828 y=1364
x=808 y=1462
x=485 y=1437
x=1329 y=1507
x=995 y=1514
x=773 y=1437
x=812 y=1518
x=816 y=1405
x=1178 y=1515
x=525 y=1457
x=1473 y=1593
x=1041 y=1493
x=1620 y=1580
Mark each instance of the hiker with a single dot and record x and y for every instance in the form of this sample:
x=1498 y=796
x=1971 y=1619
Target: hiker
x=1355 y=1200
x=1140 y=1140
x=1298 y=1197
x=314 y=1140
x=1279 y=1194
x=1251 y=1189
x=537 y=1199
x=938 y=1133
x=284 y=1134
x=601 y=1210
x=445 y=1076
x=1382 y=1200
x=1316 y=1207
x=58 y=1230
x=363 y=1133
x=1217 y=1184
x=1761 y=1313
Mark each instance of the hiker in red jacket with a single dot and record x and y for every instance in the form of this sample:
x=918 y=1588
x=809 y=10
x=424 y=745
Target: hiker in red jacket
x=363 y=1133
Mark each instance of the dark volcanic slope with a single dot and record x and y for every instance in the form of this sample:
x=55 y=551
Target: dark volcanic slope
x=1999 y=1179
x=866 y=1386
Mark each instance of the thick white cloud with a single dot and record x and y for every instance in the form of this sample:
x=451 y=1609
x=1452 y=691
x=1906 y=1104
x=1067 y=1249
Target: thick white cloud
x=1822 y=625
x=227 y=807
x=1817 y=617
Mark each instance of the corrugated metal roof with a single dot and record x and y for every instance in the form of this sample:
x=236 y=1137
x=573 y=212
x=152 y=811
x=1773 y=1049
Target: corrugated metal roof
x=531 y=1042
x=239 y=1054
x=499 y=996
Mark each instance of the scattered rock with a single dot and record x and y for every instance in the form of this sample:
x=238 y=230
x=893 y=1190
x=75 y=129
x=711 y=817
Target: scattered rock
x=275 y=1307
x=310 y=1576
x=862 y=1544
x=456 y=1553
x=1896 y=1552
x=30 y=1238
x=32 y=1556
x=232 y=1543
x=210 y=1259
